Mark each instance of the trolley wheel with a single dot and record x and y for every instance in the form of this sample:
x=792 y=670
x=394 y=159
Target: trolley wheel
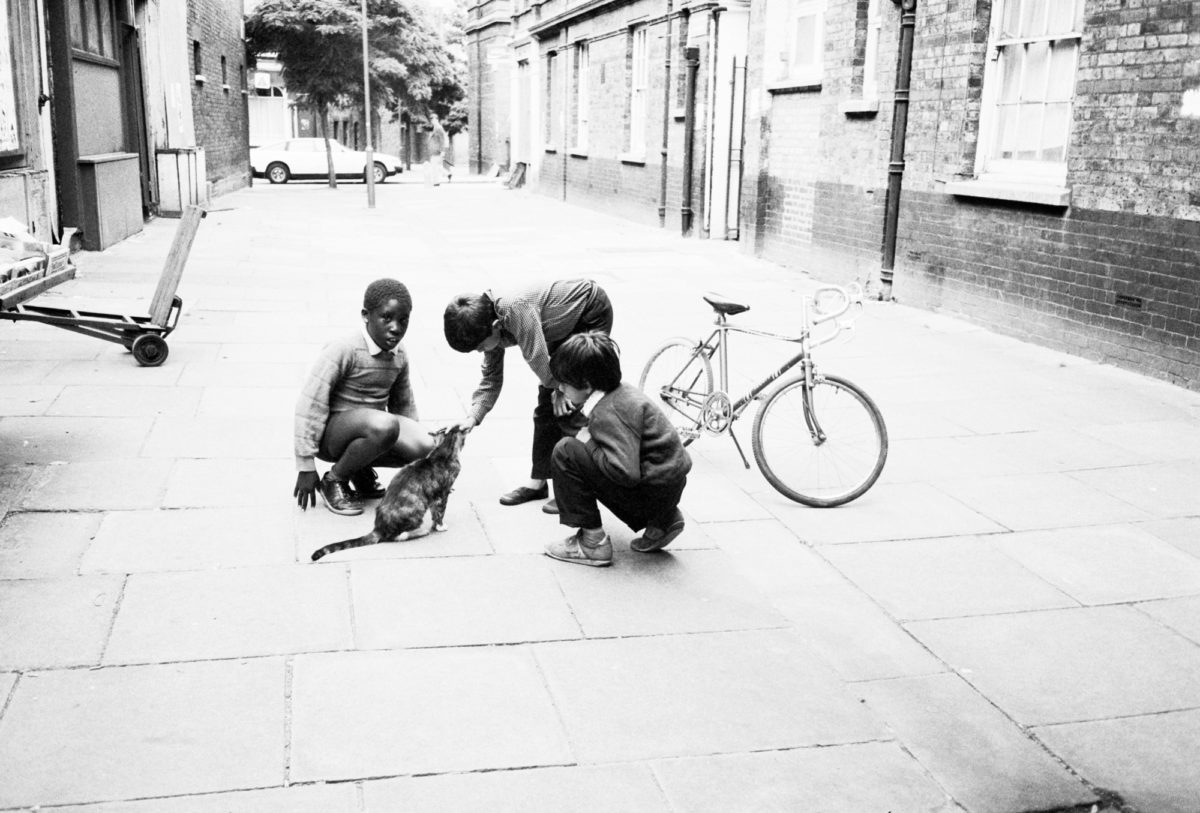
x=149 y=350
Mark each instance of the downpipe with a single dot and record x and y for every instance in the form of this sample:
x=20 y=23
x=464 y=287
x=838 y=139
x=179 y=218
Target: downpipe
x=891 y=216
x=692 y=64
x=666 y=125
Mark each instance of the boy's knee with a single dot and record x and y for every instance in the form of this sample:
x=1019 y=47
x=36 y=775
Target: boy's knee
x=383 y=434
x=566 y=451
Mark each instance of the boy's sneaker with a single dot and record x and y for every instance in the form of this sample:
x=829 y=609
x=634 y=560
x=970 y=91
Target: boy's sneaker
x=658 y=537
x=339 y=498
x=366 y=485
x=574 y=549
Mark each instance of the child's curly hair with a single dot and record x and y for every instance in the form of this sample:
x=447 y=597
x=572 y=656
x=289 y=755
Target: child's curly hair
x=382 y=291
x=468 y=321
x=585 y=360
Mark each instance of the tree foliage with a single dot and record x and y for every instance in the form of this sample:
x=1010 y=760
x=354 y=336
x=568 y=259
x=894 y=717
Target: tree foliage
x=319 y=45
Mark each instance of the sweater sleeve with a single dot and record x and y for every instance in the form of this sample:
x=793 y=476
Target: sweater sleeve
x=401 y=400
x=525 y=324
x=312 y=405
x=490 y=383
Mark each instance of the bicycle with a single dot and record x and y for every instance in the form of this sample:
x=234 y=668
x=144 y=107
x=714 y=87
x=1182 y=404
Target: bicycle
x=817 y=438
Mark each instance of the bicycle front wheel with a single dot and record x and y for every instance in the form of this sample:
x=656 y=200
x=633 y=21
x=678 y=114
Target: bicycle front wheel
x=823 y=447
x=678 y=377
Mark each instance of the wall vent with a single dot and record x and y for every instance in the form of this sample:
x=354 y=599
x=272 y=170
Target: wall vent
x=1128 y=301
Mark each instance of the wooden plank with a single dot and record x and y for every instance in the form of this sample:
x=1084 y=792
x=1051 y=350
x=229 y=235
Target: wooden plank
x=181 y=246
x=16 y=296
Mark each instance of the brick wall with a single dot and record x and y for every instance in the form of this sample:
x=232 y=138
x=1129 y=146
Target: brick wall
x=489 y=76
x=218 y=105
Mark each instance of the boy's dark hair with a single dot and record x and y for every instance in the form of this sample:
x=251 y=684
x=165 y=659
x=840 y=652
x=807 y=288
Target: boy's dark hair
x=468 y=321
x=590 y=359
x=381 y=291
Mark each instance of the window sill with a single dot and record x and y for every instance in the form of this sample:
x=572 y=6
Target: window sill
x=797 y=86
x=200 y=79
x=634 y=159
x=551 y=150
x=578 y=152
x=1040 y=194
x=862 y=108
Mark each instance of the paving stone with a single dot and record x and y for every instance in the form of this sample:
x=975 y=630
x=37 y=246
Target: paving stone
x=1034 y=501
x=248 y=400
x=1160 y=489
x=710 y=496
x=44 y=544
x=191 y=539
x=44 y=344
x=1149 y=760
x=458 y=601
x=78 y=736
x=7 y=681
x=1182 y=532
x=230 y=613
x=99 y=485
x=295 y=799
x=770 y=556
x=51 y=439
x=985 y=761
x=684 y=591
x=1180 y=614
x=285 y=373
x=939 y=578
x=114 y=366
x=228 y=482
x=1058 y=665
x=27 y=371
x=585 y=789
x=380 y=714
x=218 y=437
x=462 y=534
x=905 y=511
x=712 y=693
x=100 y=400
x=858 y=777
x=56 y=622
x=1105 y=564
x=1160 y=440
x=29 y=399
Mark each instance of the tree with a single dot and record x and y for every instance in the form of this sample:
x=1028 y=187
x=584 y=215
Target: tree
x=319 y=45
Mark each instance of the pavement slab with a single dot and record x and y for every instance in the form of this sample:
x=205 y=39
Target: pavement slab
x=1008 y=659
x=381 y=714
x=1150 y=760
x=217 y=437
x=941 y=578
x=98 y=485
x=76 y=736
x=226 y=482
x=56 y=622
x=985 y=761
x=1182 y=532
x=575 y=789
x=458 y=601
x=30 y=399
x=1170 y=489
x=1032 y=501
x=686 y=695
x=293 y=799
x=42 y=544
x=230 y=613
x=858 y=777
x=100 y=401
x=58 y=439
x=1180 y=614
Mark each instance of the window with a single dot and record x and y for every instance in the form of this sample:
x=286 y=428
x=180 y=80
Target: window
x=795 y=43
x=1029 y=86
x=870 y=65
x=551 y=117
x=639 y=75
x=197 y=62
x=581 y=96
x=92 y=27
x=11 y=48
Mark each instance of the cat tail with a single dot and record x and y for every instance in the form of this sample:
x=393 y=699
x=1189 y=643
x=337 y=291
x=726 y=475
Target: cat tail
x=357 y=542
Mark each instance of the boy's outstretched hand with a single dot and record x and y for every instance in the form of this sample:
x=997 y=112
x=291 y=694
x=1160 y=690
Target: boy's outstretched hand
x=306 y=489
x=465 y=425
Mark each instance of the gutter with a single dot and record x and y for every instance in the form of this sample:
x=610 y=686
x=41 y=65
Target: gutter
x=891 y=215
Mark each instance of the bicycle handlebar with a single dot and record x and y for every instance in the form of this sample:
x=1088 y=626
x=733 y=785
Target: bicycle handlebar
x=850 y=295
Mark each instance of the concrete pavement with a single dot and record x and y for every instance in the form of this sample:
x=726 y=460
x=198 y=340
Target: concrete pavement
x=1008 y=621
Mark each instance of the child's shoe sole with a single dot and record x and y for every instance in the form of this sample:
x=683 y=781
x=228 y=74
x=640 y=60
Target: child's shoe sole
x=642 y=544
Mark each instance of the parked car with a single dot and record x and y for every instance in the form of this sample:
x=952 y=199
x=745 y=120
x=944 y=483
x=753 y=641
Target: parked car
x=302 y=158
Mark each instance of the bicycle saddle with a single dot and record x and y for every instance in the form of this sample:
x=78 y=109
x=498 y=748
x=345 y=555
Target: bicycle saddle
x=726 y=306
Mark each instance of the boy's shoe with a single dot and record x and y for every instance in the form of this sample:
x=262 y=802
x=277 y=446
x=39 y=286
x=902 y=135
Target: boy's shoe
x=656 y=538
x=524 y=494
x=366 y=485
x=550 y=507
x=339 y=498
x=574 y=549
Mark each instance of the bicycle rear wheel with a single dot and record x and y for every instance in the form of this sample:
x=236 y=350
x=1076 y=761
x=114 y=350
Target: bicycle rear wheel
x=821 y=448
x=678 y=377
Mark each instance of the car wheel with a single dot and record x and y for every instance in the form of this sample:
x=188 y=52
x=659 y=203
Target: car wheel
x=278 y=173
x=381 y=173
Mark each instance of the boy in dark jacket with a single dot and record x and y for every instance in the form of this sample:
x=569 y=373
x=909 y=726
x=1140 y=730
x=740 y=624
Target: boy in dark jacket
x=628 y=456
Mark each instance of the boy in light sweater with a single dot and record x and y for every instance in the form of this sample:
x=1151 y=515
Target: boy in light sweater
x=628 y=457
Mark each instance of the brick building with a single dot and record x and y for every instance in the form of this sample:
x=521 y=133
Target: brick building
x=219 y=91
x=1049 y=188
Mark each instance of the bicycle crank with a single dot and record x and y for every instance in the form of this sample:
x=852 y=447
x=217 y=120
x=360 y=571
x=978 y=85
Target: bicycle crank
x=717 y=413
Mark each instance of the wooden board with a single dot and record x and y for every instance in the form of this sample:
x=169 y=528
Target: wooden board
x=28 y=291
x=168 y=283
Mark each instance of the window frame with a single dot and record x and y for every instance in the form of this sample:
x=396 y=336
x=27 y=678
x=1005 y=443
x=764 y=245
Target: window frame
x=639 y=86
x=582 y=67
x=783 y=17
x=989 y=165
x=15 y=156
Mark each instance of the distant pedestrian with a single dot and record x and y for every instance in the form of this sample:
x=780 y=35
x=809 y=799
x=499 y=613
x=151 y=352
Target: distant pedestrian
x=434 y=167
x=627 y=456
x=537 y=319
x=356 y=409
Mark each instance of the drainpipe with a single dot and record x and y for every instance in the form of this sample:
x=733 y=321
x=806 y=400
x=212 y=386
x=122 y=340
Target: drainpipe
x=891 y=215
x=666 y=125
x=692 y=61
